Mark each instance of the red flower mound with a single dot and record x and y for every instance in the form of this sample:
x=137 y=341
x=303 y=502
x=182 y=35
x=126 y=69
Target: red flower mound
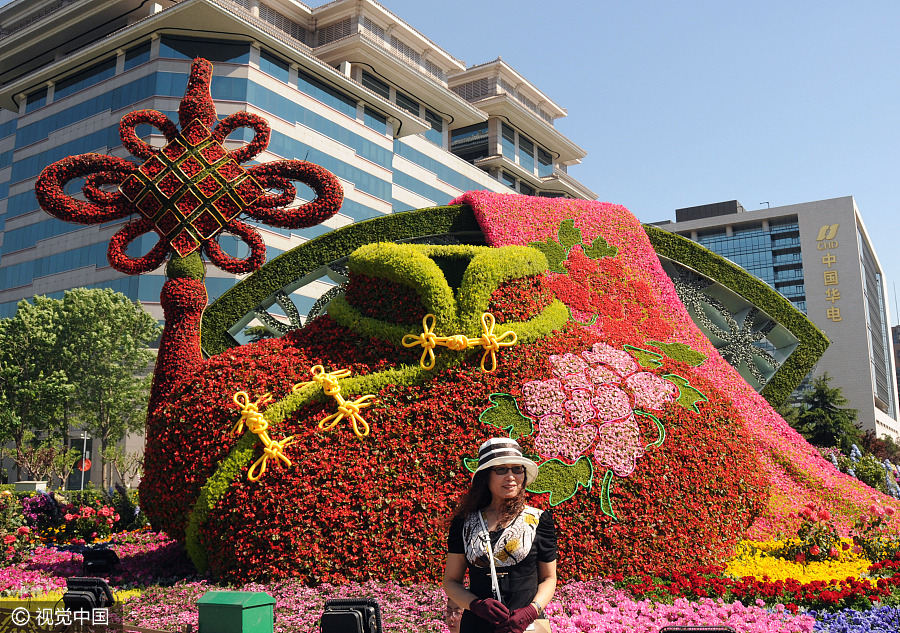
x=384 y=299
x=190 y=426
x=520 y=299
x=338 y=512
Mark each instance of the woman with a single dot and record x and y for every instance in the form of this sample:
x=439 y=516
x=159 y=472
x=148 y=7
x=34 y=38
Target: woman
x=522 y=539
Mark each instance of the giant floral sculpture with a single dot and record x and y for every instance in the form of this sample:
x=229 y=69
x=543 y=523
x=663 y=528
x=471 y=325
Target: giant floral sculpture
x=335 y=451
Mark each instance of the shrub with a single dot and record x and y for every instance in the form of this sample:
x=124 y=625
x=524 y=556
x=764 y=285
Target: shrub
x=817 y=537
x=874 y=534
x=15 y=537
x=870 y=471
x=42 y=511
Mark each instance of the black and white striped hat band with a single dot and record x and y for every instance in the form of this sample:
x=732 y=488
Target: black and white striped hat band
x=503 y=450
x=488 y=453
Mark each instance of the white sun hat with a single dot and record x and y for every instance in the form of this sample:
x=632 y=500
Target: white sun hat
x=503 y=450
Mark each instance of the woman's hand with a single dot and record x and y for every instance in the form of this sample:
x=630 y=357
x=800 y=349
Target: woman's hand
x=490 y=610
x=519 y=620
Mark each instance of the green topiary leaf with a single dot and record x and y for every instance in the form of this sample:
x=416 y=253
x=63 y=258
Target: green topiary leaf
x=561 y=480
x=688 y=396
x=554 y=253
x=680 y=352
x=660 y=429
x=644 y=357
x=471 y=463
x=599 y=248
x=569 y=236
x=504 y=414
x=605 y=500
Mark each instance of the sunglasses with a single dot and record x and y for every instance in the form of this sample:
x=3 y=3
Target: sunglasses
x=502 y=470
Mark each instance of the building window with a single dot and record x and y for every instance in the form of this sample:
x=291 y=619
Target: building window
x=526 y=154
x=525 y=188
x=545 y=163
x=86 y=78
x=405 y=51
x=408 y=103
x=282 y=23
x=471 y=142
x=334 y=31
x=326 y=94
x=508 y=142
x=213 y=50
x=37 y=99
x=436 y=133
x=374 y=120
x=507 y=179
x=137 y=55
x=274 y=66
x=377 y=86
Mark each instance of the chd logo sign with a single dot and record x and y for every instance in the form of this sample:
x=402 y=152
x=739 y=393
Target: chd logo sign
x=825 y=238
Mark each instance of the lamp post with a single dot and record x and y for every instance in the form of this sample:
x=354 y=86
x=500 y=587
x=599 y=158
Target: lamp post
x=83 y=456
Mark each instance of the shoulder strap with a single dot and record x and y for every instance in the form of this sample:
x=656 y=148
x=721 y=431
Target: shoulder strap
x=486 y=537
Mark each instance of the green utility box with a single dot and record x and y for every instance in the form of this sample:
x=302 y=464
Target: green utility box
x=236 y=612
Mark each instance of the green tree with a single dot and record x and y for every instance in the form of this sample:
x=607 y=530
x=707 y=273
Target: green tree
x=104 y=348
x=81 y=360
x=822 y=420
x=34 y=385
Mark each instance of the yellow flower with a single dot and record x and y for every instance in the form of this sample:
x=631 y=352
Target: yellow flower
x=757 y=559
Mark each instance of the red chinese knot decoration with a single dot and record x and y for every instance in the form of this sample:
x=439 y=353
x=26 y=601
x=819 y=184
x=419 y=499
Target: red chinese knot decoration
x=192 y=189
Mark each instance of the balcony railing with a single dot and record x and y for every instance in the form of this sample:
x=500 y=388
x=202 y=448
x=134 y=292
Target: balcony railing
x=9 y=29
x=402 y=55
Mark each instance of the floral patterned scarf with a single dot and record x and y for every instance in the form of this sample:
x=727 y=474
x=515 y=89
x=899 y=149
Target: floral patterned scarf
x=513 y=545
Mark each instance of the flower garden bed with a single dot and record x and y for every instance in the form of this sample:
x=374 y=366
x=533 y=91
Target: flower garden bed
x=814 y=581
x=158 y=591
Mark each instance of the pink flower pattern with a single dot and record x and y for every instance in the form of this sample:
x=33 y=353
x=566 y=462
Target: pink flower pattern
x=561 y=441
x=543 y=397
x=591 y=403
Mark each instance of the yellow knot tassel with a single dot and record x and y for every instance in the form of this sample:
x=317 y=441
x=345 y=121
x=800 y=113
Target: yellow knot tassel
x=426 y=339
x=258 y=425
x=459 y=342
x=491 y=342
x=346 y=409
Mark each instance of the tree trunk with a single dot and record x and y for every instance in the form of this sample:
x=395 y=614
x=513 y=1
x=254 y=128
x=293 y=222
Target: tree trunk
x=105 y=469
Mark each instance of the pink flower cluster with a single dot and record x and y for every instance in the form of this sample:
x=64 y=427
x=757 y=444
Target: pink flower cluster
x=591 y=402
x=616 y=613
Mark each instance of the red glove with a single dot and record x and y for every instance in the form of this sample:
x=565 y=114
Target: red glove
x=519 y=620
x=491 y=610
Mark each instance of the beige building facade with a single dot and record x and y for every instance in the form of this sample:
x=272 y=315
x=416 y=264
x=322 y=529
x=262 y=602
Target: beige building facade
x=819 y=256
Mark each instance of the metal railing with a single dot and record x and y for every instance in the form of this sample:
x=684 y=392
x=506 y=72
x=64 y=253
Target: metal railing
x=34 y=17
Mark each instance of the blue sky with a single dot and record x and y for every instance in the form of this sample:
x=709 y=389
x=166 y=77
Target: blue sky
x=689 y=102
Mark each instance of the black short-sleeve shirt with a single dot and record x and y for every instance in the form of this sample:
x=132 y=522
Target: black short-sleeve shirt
x=518 y=583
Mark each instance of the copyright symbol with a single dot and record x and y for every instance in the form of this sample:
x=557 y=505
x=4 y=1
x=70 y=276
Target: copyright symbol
x=20 y=616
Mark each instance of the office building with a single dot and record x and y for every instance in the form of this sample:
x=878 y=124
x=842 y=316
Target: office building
x=819 y=256
x=895 y=338
x=348 y=85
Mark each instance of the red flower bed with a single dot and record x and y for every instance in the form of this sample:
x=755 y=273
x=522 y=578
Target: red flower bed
x=520 y=299
x=710 y=581
x=384 y=299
